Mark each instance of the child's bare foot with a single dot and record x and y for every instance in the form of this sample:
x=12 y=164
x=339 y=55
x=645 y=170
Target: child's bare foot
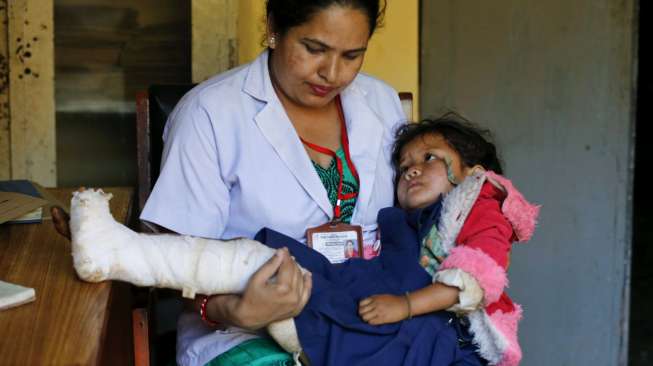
x=61 y=221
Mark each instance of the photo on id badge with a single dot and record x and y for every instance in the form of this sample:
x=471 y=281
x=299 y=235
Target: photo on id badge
x=336 y=245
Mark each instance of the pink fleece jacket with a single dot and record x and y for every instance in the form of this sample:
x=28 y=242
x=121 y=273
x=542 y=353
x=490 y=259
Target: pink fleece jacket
x=498 y=215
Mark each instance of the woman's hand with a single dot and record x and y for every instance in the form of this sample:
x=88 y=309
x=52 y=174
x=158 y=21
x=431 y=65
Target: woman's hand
x=384 y=309
x=278 y=290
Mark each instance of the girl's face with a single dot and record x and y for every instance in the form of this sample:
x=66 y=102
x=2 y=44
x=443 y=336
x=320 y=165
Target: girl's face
x=315 y=61
x=426 y=168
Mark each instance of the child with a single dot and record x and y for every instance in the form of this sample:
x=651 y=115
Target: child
x=438 y=254
x=457 y=221
x=468 y=251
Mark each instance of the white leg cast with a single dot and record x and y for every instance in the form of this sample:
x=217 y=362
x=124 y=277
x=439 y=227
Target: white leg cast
x=104 y=249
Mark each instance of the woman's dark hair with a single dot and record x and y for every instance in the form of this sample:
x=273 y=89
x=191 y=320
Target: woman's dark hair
x=471 y=142
x=286 y=14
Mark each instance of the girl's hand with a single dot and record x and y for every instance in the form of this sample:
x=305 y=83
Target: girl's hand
x=383 y=309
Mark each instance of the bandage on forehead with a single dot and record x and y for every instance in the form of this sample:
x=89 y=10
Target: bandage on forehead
x=450 y=175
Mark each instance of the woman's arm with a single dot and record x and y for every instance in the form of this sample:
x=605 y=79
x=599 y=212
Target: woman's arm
x=192 y=165
x=265 y=300
x=383 y=309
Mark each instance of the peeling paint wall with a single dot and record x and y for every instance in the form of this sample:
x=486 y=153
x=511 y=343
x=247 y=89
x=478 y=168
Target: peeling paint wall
x=554 y=81
x=5 y=142
x=31 y=96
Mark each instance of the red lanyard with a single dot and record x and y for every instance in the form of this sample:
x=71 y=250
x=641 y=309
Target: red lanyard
x=345 y=146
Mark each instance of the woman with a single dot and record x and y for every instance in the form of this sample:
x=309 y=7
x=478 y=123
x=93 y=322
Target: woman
x=242 y=151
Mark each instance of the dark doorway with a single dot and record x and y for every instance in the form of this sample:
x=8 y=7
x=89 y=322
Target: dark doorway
x=106 y=51
x=641 y=323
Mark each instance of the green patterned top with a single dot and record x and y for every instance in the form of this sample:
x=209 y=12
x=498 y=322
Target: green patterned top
x=432 y=254
x=330 y=178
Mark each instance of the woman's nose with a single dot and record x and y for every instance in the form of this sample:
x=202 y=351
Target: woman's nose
x=411 y=173
x=329 y=70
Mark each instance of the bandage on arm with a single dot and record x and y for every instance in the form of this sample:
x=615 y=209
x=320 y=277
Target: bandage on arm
x=470 y=296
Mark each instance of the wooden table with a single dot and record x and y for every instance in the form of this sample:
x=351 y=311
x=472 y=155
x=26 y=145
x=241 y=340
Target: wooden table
x=71 y=322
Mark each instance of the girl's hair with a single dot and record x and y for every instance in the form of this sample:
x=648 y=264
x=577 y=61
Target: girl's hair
x=286 y=14
x=471 y=142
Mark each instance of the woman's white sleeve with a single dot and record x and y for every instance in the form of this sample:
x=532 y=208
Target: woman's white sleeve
x=190 y=196
x=470 y=297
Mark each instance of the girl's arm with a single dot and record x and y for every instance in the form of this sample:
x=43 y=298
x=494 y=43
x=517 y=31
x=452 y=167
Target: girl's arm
x=383 y=309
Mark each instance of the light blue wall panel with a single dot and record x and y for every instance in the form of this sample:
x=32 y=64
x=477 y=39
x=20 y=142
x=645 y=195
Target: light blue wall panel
x=554 y=80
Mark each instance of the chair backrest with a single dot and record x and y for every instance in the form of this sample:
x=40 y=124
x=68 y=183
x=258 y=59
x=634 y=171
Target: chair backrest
x=406 y=99
x=152 y=110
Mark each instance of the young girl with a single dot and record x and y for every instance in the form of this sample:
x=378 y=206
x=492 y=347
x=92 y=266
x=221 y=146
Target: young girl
x=435 y=294
x=467 y=252
x=443 y=263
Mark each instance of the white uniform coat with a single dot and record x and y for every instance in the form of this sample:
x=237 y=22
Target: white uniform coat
x=232 y=164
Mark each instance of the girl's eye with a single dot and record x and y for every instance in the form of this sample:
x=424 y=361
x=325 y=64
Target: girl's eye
x=429 y=157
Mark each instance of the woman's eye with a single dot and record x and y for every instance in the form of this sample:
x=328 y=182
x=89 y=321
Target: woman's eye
x=313 y=50
x=351 y=57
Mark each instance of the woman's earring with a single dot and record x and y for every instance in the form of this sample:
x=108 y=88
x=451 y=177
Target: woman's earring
x=272 y=42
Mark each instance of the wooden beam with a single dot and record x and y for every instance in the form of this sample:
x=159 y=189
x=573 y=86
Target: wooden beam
x=31 y=98
x=5 y=147
x=214 y=36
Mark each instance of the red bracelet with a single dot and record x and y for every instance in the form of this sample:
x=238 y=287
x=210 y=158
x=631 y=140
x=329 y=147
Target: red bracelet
x=205 y=317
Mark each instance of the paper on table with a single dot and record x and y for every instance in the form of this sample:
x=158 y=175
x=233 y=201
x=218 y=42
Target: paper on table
x=14 y=205
x=52 y=201
x=13 y=295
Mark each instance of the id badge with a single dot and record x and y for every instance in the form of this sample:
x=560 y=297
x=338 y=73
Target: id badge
x=336 y=241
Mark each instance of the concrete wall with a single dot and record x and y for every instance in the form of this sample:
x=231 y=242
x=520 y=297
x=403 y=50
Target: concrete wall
x=554 y=80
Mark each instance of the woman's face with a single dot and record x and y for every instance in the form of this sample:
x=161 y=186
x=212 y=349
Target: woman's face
x=425 y=167
x=315 y=61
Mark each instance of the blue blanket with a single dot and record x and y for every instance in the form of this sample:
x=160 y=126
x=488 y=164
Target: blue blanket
x=329 y=328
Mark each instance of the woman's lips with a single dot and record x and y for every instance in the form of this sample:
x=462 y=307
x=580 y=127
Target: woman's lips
x=320 y=91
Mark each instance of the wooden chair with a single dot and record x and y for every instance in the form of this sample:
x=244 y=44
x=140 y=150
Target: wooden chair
x=406 y=99
x=140 y=327
x=152 y=110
